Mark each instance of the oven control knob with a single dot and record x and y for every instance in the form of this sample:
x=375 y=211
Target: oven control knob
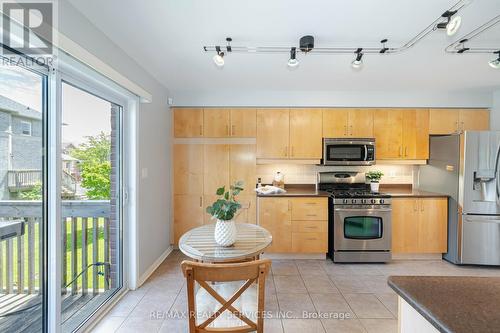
x=374 y=201
x=353 y=201
x=381 y=201
x=344 y=201
x=363 y=200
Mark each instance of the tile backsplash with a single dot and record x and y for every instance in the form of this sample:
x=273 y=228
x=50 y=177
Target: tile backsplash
x=307 y=174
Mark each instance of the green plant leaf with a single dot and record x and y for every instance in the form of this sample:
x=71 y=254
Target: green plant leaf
x=220 y=190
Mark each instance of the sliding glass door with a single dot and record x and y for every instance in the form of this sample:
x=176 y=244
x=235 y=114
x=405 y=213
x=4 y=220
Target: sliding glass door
x=23 y=222
x=91 y=191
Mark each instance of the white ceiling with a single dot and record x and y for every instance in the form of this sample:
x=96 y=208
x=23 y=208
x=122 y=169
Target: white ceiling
x=167 y=36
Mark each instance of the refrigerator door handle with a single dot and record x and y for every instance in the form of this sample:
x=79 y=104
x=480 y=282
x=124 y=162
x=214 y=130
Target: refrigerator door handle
x=486 y=219
x=497 y=176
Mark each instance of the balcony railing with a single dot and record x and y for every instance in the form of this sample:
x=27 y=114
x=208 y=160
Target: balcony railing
x=21 y=180
x=85 y=242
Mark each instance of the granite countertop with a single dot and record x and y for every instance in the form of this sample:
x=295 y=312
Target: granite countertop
x=453 y=303
x=298 y=191
x=407 y=191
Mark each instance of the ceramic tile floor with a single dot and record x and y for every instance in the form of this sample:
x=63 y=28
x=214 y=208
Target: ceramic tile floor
x=358 y=292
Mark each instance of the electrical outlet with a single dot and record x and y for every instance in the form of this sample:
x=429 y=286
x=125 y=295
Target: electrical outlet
x=144 y=173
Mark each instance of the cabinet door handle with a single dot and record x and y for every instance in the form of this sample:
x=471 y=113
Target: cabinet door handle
x=289 y=206
x=415 y=206
x=311 y=227
x=400 y=151
x=311 y=239
x=286 y=151
x=233 y=131
x=311 y=215
x=345 y=130
x=292 y=152
x=463 y=126
x=227 y=130
x=406 y=151
x=201 y=129
x=201 y=201
x=421 y=206
x=309 y=203
x=351 y=129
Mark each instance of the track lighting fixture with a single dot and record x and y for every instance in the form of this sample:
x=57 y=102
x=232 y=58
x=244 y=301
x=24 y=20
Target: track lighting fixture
x=452 y=23
x=449 y=20
x=357 y=63
x=459 y=45
x=293 y=62
x=495 y=63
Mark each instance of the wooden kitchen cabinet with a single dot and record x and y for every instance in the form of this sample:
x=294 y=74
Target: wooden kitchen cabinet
x=242 y=166
x=448 y=121
x=215 y=168
x=188 y=122
x=188 y=169
x=419 y=225
x=243 y=123
x=216 y=123
x=188 y=213
x=344 y=123
x=306 y=134
x=415 y=134
x=298 y=225
x=274 y=215
x=388 y=131
x=273 y=133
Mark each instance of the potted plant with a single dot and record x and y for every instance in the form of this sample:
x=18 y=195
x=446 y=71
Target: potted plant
x=224 y=211
x=374 y=178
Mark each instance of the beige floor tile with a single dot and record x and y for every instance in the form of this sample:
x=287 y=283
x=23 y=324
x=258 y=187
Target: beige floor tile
x=273 y=326
x=294 y=305
x=174 y=325
x=367 y=306
x=271 y=307
x=350 y=284
x=310 y=267
x=153 y=304
x=390 y=301
x=332 y=306
x=125 y=306
x=336 y=269
x=376 y=284
x=289 y=284
x=284 y=267
x=109 y=324
x=319 y=284
x=343 y=326
x=380 y=325
x=302 y=325
x=140 y=325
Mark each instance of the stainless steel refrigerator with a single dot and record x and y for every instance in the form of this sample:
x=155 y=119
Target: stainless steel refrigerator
x=466 y=168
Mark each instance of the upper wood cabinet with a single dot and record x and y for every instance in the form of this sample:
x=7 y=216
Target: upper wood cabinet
x=419 y=225
x=416 y=134
x=401 y=133
x=273 y=133
x=306 y=134
x=344 y=123
x=216 y=123
x=188 y=123
x=242 y=166
x=448 y=121
x=243 y=123
x=388 y=131
x=188 y=169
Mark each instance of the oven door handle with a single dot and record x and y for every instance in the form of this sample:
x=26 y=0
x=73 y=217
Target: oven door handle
x=363 y=209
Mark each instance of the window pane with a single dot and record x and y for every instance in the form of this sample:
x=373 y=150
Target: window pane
x=363 y=227
x=22 y=226
x=91 y=229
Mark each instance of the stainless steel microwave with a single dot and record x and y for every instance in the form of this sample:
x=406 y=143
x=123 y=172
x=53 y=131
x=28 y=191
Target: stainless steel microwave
x=349 y=151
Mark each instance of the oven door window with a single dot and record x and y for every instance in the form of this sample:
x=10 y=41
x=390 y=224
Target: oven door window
x=346 y=153
x=363 y=227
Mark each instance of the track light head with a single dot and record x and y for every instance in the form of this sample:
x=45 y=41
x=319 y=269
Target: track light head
x=357 y=63
x=293 y=62
x=219 y=58
x=495 y=63
x=452 y=23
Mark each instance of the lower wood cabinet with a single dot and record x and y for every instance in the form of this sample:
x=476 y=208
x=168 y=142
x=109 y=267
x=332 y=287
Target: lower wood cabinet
x=298 y=225
x=188 y=213
x=419 y=225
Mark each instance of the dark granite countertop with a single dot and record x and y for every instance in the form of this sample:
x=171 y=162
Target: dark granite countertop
x=407 y=191
x=453 y=303
x=307 y=190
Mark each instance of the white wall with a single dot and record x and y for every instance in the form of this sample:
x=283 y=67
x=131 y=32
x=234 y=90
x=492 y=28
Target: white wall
x=277 y=98
x=154 y=127
x=495 y=112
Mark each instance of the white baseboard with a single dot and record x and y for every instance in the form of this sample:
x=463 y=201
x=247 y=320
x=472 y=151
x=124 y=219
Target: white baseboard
x=278 y=256
x=154 y=266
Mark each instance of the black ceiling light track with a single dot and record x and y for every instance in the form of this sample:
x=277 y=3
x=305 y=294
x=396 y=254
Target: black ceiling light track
x=307 y=45
x=460 y=45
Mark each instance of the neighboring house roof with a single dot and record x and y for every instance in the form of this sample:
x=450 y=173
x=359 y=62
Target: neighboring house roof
x=20 y=110
x=66 y=158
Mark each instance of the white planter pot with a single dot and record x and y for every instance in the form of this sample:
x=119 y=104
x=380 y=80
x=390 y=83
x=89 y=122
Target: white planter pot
x=374 y=187
x=225 y=233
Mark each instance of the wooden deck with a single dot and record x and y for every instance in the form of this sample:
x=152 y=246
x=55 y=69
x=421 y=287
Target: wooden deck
x=30 y=320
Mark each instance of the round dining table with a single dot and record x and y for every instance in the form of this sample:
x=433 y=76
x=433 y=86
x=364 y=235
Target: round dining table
x=199 y=244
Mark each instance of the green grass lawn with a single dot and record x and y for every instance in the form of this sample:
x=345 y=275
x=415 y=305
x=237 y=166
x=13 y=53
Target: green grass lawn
x=36 y=258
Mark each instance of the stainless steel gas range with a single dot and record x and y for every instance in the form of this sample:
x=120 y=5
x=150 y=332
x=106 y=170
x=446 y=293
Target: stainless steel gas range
x=359 y=220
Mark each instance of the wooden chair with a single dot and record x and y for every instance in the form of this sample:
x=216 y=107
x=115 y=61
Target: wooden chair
x=253 y=271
